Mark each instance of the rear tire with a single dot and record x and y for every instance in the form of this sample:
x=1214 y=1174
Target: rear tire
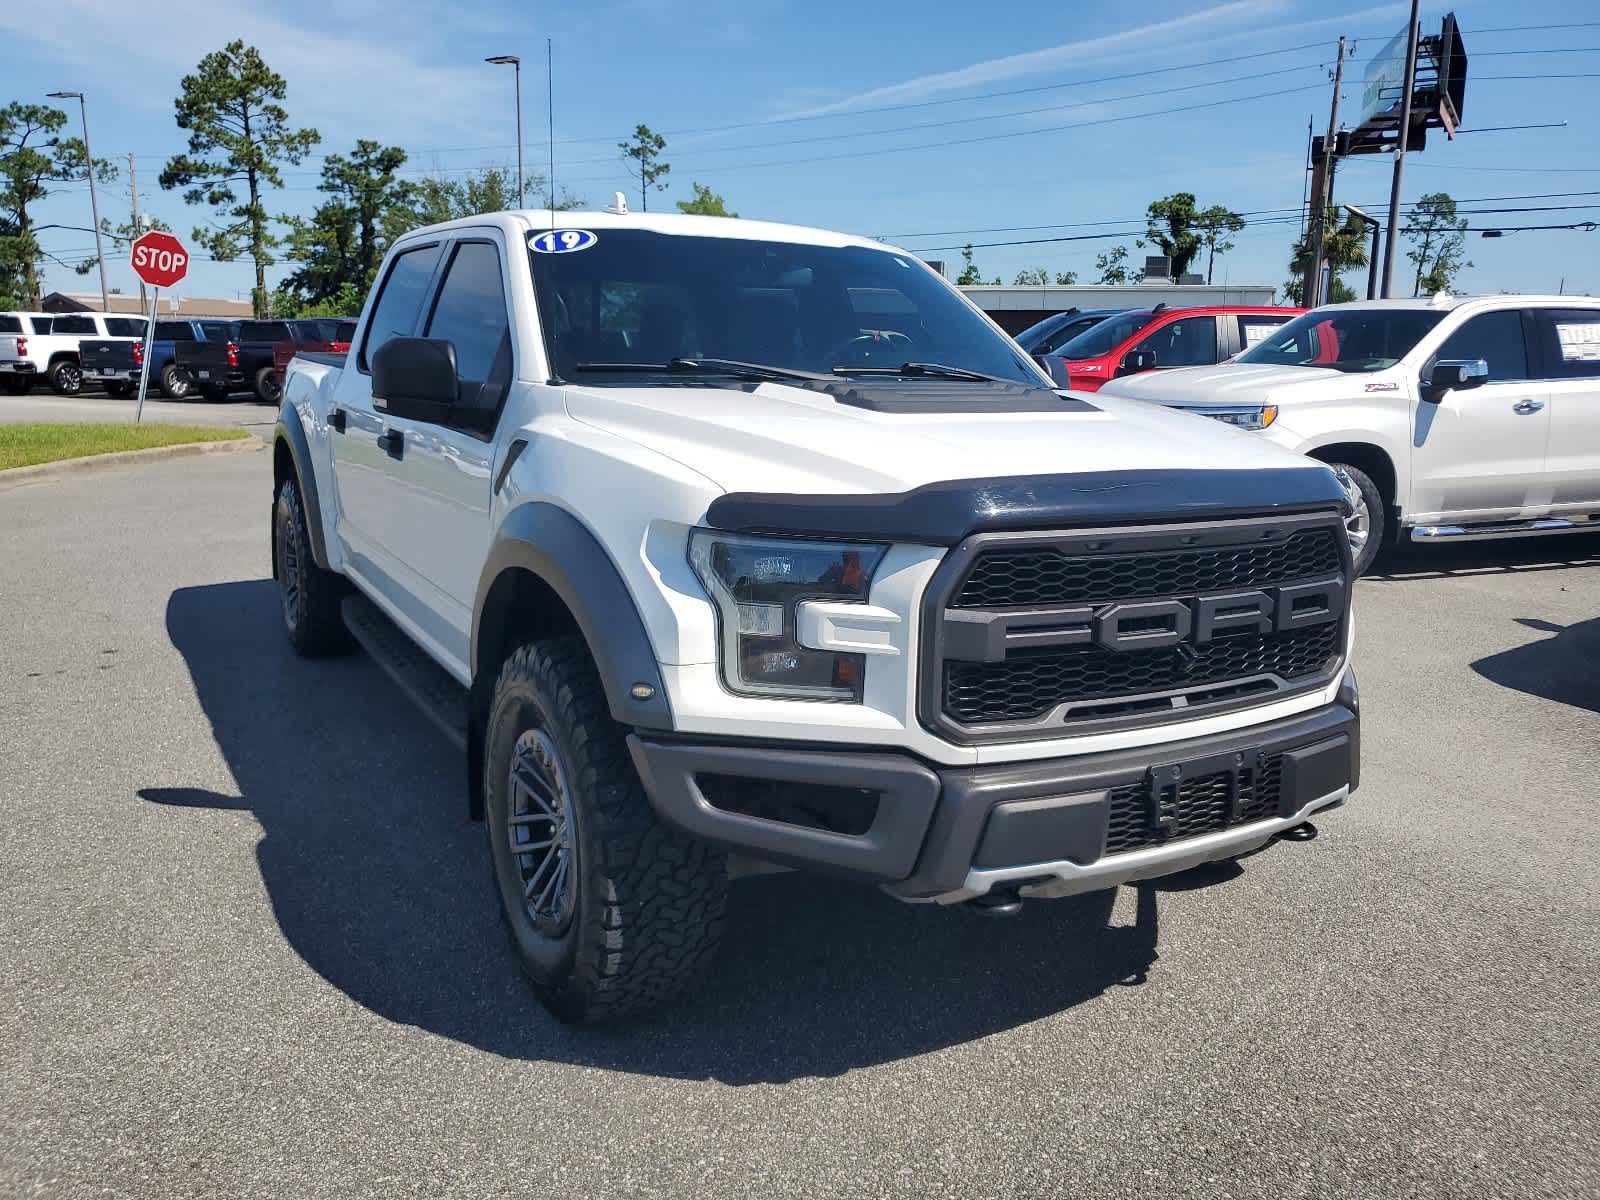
x=611 y=913
x=119 y=390
x=1366 y=526
x=175 y=385
x=308 y=596
x=66 y=378
x=214 y=392
x=267 y=388
x=18 y=385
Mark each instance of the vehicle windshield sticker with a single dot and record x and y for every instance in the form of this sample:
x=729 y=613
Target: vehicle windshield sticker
x=561 y=241
x=1255 y=332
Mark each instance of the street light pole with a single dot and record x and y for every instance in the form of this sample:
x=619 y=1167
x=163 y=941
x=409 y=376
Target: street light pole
x=1372 y=259
x=516 y=62
x=94 y=201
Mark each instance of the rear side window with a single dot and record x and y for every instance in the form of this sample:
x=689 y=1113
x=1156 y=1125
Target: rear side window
x=470 y=314
x=10 y=324
x=1186 y=342
x=346 y=332
x=265 y=331
x=41 y=325
x=400 y=302
x=1256 y=329
x=1570 y=339
x=125 y=327
x=74 y=324
x=1495 y=337
x=218 y=331
x=174 y=331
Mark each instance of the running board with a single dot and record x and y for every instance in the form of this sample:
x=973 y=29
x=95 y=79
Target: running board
x=1503 y=529
x=429 y=686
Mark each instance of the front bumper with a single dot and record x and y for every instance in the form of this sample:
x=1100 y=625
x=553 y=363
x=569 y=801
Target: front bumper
x=950 y=834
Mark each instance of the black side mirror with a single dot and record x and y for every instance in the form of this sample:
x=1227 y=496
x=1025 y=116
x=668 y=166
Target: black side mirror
x=1454 y=374
x=1135 y=361
x=415 y=378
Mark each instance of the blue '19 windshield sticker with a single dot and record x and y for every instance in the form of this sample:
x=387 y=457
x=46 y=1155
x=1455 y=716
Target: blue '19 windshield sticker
x=561 y=241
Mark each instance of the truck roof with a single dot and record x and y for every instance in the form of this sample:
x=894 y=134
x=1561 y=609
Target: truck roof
x=531 y=220
x=1444 y=302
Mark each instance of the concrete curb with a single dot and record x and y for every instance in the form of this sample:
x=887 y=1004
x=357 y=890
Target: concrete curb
x=22 y=476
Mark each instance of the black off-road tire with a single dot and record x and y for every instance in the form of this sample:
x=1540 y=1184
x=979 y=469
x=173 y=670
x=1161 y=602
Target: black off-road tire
x=17 y=385
x=175 y=384
x=267 y=388
x=647 y=912
x=66 y=377
x=308 y=596
x=1376 y=517
x=119 y=390
x=214 y=392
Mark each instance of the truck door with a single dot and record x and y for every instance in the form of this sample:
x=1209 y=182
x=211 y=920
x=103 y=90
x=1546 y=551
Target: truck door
x=1479 y=453
x=1569 y=366
x=360 y=462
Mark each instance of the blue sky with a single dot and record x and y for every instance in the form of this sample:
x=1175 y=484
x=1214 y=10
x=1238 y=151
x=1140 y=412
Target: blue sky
x=877 y=118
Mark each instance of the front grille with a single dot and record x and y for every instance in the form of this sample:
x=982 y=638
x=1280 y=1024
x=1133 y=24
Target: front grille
x=1201 y=805
x=1031 y=635
x=1028 y=685
x=1004 y=578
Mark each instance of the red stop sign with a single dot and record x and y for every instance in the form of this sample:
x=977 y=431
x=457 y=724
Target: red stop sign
x=159 y=259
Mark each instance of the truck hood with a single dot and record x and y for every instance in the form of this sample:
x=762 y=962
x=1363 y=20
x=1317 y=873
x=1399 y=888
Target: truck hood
x=778 y=438
x=1235 y=383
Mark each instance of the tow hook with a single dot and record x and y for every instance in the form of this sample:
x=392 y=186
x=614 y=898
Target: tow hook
x=1304 y=832
x=997 y=902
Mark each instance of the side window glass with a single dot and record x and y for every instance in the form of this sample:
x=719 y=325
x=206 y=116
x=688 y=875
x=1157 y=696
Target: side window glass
x=1570 y=339
x=405 y=287
x=1187 y=342
x=69 y=325
x=1495 y=337
x=471 y=315
x=1253 y=330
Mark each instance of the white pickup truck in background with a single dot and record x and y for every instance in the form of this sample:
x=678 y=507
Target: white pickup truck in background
x=35 y=346
x=1454 y=417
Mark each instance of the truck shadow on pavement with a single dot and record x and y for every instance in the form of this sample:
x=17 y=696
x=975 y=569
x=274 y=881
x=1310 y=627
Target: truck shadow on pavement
x=381 y=884
x=1564 y=667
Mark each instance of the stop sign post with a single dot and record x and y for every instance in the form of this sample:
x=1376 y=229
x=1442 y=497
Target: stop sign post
x=161 y=261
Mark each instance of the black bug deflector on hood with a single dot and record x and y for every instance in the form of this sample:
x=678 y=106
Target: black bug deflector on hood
x=945 y=513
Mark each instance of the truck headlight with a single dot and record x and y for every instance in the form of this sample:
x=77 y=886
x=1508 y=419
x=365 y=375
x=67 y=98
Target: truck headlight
x=1243 y=416
x=756 y=584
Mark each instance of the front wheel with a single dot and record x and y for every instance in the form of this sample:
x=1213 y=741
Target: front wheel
x=66 y=378
x=1365 y=525
x=611 y=913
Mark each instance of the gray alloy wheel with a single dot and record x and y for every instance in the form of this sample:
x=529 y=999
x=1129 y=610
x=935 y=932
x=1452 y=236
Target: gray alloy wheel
x=175 y=384
x=1365 y=525
x=540 y=834
x=66 y=378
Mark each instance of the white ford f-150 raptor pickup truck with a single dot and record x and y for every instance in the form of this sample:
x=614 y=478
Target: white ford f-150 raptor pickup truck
x=1456 y=418
x=709 y=537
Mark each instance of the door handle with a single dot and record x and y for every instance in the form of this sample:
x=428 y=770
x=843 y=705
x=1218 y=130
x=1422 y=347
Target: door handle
x=1527 y=406
x=336 y=420
x=393 y=443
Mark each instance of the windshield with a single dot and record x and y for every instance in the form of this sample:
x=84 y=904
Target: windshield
x=636 y=298
x=1053 y=332
x=1351 y=340
x=1105 y=337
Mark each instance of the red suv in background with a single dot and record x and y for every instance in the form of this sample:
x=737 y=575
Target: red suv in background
x=1145 y=339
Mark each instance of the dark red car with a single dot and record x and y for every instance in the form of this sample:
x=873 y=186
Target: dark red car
x=1146 y=339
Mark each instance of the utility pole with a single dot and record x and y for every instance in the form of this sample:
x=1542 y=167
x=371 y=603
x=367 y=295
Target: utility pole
x=1321 y=186
x=133 y=187
x=1400 y=150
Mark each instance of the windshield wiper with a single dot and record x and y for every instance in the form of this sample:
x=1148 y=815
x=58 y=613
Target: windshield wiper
x=925 y=370
x=704 y=366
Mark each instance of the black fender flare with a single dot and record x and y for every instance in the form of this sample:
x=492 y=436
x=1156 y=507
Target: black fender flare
x=290 y=435
x=556 y=548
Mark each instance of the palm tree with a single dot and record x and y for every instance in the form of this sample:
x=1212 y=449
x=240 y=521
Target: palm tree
x=1344 y=246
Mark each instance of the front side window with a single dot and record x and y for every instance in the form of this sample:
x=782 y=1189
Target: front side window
x=634 y=299
x=1496 y=338
x=470 y=314
x=1353 y=340
x=1570 y=339
x=1105 y=337
x=400 y=303
x=1186 y=342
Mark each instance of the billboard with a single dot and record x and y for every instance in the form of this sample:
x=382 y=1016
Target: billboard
x=1384 y=84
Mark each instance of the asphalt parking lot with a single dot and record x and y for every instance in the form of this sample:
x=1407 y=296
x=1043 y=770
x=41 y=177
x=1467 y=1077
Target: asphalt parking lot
x=41 y=404
x=249 y=945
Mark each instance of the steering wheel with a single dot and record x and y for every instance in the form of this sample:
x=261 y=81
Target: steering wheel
x=875 y=348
